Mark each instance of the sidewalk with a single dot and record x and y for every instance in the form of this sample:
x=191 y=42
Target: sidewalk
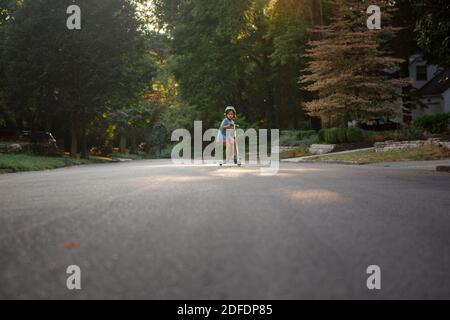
x=305 y=159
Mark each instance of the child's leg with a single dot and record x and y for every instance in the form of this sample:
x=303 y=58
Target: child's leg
x=230 y=149
x=227 y=151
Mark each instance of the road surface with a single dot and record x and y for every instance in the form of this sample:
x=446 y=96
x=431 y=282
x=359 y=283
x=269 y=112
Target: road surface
x=154 y=230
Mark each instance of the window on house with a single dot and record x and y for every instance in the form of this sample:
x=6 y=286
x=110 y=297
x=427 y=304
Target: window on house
x=421 y=73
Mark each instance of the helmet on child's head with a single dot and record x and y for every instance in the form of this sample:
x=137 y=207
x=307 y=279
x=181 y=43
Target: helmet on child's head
x=230 y=109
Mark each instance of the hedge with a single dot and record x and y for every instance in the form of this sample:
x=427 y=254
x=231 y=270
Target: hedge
x=434 y=123
x=341 y=135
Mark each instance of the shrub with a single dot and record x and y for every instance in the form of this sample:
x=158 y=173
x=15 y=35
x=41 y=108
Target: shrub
x=305 y=134
x=288 y=138
x=410 y=133
x=322 y=135
x=375 y=137
x=355 y=135
x=307 y=142
x=40 y=149
x=434 y=123
x=295 y=138
x=166 y=152
x=14 y=148
x=331 y=135
x=103 y=151
x=341 y=135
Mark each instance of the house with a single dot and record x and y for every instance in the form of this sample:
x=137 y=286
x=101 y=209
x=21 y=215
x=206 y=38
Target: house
x=430 y=85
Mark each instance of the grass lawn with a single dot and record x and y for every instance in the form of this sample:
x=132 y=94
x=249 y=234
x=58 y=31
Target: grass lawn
x=25 y=162
x=293 y=154
x=370 y=156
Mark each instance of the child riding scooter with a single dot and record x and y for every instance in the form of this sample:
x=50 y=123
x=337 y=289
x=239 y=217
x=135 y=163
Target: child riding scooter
x=227 y=136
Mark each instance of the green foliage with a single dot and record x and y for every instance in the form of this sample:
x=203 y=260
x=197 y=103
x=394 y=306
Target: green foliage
x=432 y=29
x=322 y=135
x=306 y=143
x=166 y=152
x=300 y=139
x=355 y=135
x=25 y=162
x=434 y=123
x=297 y=137
x=241 y=52
x=101 y=151
x=40 y=149
x=331 y=135
x=181 y=115
x=303 y=134
x=30 y=148
x=341 y=135
x=289 y=138
x=73 y=77
x=409 y=133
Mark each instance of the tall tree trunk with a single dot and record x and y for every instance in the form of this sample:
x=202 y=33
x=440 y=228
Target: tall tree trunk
x=74 y=135
x=84 y=148
x=271 y=112
x=48 y=123
x=133 y=149
x=123 y=143
x=316 y=12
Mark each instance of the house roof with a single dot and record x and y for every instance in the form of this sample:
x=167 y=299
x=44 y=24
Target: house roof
x=416 y=57
x=439 y=84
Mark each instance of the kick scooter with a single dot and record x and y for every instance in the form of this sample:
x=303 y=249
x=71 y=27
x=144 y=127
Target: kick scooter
x=237 y=158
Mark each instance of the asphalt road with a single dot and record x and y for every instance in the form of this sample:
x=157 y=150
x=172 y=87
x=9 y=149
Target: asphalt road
x=154 y=230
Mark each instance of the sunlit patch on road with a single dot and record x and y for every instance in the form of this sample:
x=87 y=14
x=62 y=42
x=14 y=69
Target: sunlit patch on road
x=296 y=172
x=235 y=172
x=155 y=180
x=317 y=196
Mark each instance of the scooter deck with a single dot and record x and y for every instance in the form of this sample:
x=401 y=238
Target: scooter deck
x=230 y=164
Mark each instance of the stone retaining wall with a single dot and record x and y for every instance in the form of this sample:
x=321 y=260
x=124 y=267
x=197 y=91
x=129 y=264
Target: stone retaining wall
x=403 y=145
x=319 y=149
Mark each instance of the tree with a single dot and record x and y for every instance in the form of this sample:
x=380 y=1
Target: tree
x=433 y=29
x=56 y=73
x=349 y=70
x=289 y=22
x=7 y=8
x=207 y=48
x=245 y=53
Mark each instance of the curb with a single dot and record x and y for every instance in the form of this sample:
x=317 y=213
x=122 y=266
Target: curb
x=305 y=159
x=329 y=162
